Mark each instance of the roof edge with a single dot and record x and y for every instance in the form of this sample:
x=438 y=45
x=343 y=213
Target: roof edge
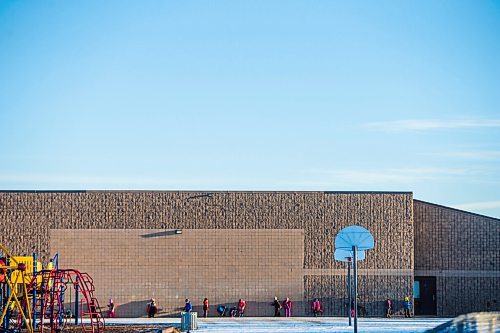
x=368 y=192
x=457 y=210
x=210 y=191
x=43 y=191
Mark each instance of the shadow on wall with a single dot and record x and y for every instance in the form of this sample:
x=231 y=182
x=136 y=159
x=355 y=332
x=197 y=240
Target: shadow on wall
x=338 y=307
x=132 y=309
x=138 y=309
x=160 y=234
x=330 y=307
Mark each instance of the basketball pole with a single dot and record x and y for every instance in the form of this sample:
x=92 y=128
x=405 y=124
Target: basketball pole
x=355 y=294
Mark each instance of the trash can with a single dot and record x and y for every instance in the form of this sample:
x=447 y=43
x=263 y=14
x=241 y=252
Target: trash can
x=189 y=321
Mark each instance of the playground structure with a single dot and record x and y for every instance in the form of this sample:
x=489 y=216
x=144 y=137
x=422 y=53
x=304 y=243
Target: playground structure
x=32 y=299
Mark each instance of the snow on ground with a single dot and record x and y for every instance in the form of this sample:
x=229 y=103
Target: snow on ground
x=295 y=325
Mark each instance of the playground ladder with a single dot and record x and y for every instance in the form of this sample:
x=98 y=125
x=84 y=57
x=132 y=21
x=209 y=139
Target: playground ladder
x=48 y=306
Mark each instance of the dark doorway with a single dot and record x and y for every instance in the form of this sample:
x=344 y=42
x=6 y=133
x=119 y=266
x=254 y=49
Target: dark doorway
x=425 y=295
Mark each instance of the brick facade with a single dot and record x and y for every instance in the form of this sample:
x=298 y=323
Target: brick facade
x=254 y=245
x=461 y=250
x=38 y=221
x=223 y=265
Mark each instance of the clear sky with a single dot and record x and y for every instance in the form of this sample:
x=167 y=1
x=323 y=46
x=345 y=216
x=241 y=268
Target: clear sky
x=253 y=95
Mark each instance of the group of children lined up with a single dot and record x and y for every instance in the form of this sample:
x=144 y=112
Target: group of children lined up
x=239 y=310
x=287 y=305
x=407 y=308
x=152 y=308
x=235 y=311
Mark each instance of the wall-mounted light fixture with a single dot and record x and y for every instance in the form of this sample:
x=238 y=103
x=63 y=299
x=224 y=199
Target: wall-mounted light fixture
x=178 y=231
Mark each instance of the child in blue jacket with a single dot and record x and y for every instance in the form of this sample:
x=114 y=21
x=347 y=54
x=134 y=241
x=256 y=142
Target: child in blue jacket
x=188 y=307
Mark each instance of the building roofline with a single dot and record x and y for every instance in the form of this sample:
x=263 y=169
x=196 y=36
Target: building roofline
x=368 y=192
x=457 y=210
x=205 y=191
x=43 y=191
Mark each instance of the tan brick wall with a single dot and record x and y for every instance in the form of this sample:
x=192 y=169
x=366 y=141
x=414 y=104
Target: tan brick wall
x=462 y=250
x=223 y=265
x=27 y=217
x=371 y=289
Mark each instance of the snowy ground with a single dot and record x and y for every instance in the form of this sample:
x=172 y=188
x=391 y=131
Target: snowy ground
x=294 y=325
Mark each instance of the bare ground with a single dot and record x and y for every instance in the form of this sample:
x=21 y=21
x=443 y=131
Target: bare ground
x=127 y=329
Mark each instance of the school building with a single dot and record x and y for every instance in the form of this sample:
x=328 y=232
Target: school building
x=225 y=245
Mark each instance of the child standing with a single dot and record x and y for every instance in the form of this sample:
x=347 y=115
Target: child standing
x=152 y=308
x=388 y=308
x=188 y=307
x=111 y=309
x=407 y=307
x=205 y=308
x=287 y=305
x=277 y=307
x=316 y=307
x=242 y=304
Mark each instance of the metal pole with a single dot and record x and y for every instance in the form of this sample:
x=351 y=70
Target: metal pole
x=61 y=305
x=349 y=291
x=34 y=290
x=355 y=295
x=70 y=298
x=6 y=320
x=45 y=279
x=76 y=299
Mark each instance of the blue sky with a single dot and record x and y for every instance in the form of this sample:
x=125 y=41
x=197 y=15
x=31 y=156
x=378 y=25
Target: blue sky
x=253 y=95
